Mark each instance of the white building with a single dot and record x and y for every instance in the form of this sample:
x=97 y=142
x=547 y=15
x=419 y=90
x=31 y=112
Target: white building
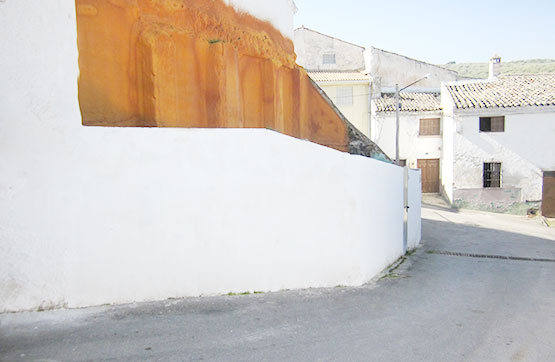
x=317 y=51
x=352 y=76
x=498 y=136
x=388 y=69
x=483 y=143
x=420 y=140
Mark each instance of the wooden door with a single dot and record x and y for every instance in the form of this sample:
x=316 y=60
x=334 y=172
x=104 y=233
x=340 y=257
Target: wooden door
x=430 y=175
x=548 y=198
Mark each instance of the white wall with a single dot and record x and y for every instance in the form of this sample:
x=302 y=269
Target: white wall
x=414 y=201
x=389 y=69
x=280 y=13
x=94 y=215
x=412 y=146
x=359 y=112
x=311 y=46
x=448 y=130
x=447 y=158
x=525 y=149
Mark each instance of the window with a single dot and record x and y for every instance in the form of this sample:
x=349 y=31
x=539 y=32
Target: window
x=403 y=163
x=345 y=96
x=430 y=127
x=492 y=174
x=329 y=59
x=492 y=124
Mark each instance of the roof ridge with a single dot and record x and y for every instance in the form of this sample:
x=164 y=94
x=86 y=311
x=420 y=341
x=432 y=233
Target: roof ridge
x=410 y=92
x=414 y=59
x=329 y=36
x=335 y=71
x=410 y=102
x=526 y=74
x=505 y=91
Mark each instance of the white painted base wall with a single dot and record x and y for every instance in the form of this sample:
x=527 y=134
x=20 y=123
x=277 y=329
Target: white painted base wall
x=100 y=215
x=113 y=215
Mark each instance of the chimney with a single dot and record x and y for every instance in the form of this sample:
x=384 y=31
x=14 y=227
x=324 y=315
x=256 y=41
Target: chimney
x=494 y=66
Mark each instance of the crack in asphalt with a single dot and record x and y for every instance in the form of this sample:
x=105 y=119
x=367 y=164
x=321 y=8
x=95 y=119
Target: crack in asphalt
x=489 y=256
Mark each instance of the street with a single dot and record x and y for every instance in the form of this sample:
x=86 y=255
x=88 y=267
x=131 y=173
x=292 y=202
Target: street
x=480 y=288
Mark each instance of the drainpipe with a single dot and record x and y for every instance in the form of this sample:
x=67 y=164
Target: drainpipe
x=370 y=110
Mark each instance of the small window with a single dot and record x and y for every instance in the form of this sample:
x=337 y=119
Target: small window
x=430 y=127
x=329 y=59
x=492 y=174
x=403 y=163
x=345 y=96
x=492 y=124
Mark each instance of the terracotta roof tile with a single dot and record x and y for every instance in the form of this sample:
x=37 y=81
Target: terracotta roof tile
x=410 y=102
x=506 y=91
x=325 y=76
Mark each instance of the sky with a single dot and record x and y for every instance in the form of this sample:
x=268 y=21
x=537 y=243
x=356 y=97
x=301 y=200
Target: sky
x=439 y=31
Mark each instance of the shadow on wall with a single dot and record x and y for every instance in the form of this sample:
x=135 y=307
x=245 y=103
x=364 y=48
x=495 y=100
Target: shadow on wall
x=197 y=64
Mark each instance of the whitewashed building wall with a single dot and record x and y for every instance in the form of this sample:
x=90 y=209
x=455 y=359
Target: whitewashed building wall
x=311 y=47
x=389 y=69
x=412 y=146
x=95 y=215
x=525 y=150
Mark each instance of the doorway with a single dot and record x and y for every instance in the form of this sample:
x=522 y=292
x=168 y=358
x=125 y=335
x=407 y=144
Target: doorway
x=548 y=197
x=430 y=175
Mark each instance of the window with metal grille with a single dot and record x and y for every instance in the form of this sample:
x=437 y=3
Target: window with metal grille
x=492 y=174
x=430 y=127
x=492 y=124
x=344 y=96
x=329 y=59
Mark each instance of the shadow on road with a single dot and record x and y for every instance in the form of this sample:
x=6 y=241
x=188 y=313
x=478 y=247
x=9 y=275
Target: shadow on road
x=468 y=238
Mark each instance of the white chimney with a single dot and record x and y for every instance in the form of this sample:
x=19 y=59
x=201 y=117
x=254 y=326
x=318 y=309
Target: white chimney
x=494 y=66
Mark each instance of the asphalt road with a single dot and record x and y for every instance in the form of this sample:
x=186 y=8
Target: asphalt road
x=477 y=306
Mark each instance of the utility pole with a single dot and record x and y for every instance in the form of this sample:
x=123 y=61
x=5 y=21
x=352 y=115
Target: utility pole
x=397 y=110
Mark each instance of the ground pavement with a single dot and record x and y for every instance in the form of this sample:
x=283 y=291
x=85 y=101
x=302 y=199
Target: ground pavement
x=481 y=288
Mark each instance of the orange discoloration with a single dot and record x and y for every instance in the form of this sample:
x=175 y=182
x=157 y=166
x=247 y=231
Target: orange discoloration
x=87 y=10
x=195 y=63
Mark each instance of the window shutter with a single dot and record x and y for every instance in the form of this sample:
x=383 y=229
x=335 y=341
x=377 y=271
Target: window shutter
x=498 y=124
x=430 y=126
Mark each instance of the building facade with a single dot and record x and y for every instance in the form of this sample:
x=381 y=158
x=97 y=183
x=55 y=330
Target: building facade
x=352 y=76
x=317 y=51
x=420 y=133
x=498 y=142
x=388 y=69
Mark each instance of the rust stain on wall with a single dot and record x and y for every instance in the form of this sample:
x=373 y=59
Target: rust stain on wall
x=195 y=63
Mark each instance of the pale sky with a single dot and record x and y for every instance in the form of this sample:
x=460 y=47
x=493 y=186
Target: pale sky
x=439 y=31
